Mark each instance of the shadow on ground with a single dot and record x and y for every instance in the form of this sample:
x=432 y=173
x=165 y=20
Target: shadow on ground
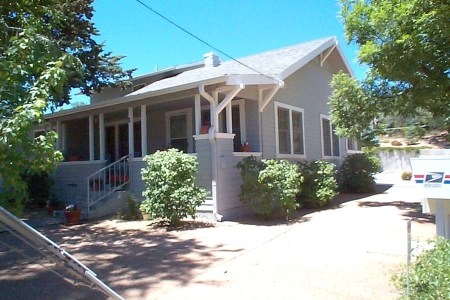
x=412 y=209
x=143 y=258
x=301 y=215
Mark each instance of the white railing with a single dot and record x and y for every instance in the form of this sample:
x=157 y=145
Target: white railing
x=107 y=180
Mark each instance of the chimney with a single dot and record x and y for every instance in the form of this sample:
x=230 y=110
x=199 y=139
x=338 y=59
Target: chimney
x=211 y=60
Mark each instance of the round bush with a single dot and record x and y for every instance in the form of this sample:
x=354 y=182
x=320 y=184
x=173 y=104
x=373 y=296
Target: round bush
x=406 y=175
x=355 y=175
x=269 y=184
x=319 y=185
x=170 y=191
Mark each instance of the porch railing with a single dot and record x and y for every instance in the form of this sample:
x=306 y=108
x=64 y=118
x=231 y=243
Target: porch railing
x=107 y=180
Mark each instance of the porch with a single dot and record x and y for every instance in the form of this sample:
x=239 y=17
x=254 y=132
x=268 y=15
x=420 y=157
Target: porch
x=219 y=131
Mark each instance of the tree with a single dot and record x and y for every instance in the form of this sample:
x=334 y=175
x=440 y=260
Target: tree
x=405 y=44
x=47 y=48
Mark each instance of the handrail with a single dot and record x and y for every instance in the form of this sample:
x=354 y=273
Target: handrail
x=107 y=180
x=53 y=252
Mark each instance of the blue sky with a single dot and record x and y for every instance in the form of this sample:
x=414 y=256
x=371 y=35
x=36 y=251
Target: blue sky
x=236 y=27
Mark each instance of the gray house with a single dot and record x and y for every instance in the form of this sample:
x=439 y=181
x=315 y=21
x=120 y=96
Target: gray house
x=269 y=105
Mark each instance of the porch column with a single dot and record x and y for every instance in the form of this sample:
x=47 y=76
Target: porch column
x=101 y=124
x=60 y=137
x=198 y=114
x=130 y=132
x=214 y=116
x=144 y=130
x=229 y=118
x=91 y=138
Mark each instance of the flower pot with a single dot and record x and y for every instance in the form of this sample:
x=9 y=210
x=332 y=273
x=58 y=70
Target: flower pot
x=73 y=217
x=204 y=129
x=145 y=217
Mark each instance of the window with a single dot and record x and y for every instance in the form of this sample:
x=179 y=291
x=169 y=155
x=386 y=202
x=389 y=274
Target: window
x=179 y=129
x=353 y=146
x=238 y=123
x=330 y=141
x=289 y=130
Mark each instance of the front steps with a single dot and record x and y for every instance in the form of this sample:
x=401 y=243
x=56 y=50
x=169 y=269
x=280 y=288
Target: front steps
x=114 y=204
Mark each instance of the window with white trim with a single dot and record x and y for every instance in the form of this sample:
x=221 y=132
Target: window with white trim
x=330 y=141
x=179 y=129
x=289 y=130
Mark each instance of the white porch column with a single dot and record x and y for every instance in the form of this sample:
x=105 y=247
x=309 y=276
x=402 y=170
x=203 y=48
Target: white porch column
x=214 y=116
x=101 y=124
x=229 y=118
x=198 y=114
x=91 y=138
x=60 y=136
x=144 y=130
x=130 y=132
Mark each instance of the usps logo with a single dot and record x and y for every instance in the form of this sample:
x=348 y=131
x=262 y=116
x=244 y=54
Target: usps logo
x=434 y=177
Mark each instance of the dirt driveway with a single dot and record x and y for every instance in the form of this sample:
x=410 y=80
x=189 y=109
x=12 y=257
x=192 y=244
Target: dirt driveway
x=347 y=252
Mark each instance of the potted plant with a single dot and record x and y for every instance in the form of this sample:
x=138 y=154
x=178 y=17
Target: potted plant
x=145 y=210
x=72 y=214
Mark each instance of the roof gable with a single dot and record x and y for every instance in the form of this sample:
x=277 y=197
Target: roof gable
x=275 y=64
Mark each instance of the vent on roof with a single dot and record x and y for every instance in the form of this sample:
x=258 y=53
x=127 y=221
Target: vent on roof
x=211 y=60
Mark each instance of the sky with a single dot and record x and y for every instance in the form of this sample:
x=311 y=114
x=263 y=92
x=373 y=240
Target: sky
x=236 y=27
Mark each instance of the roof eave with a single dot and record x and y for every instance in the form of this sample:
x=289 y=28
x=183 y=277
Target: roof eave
x=128 y=99
x=307 y=58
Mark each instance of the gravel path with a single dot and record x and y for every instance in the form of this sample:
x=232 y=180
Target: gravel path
x=347 y=252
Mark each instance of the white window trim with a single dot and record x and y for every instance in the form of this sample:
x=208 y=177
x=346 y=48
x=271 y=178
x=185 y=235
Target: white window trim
x=331 y=138
x=291 y=136
x=189 y=133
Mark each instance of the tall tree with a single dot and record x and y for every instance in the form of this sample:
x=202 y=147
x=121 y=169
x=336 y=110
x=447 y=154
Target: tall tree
x=47 y=48
x=406 y=45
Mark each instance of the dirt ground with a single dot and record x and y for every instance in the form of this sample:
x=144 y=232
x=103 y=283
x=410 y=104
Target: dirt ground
x=349 y=251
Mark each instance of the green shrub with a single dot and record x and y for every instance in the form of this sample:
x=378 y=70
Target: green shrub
x=132 y=211
x=319 y=185
x=38 y=188
x=413 y=134
x=429 y=276
x=406 y=175
x=269 y=185
x=355 y=175
x=170 y=191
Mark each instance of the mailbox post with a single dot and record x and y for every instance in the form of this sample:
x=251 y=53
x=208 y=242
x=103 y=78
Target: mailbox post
x=432 y=174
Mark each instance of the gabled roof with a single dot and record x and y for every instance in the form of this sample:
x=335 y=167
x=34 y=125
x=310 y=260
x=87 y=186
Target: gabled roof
x=275 y=65
x=271 y=67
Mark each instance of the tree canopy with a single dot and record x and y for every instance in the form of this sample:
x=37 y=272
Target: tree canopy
x=47 y=48
x=406 y=46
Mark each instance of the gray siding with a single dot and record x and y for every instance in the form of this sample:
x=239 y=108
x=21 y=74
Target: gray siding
x=70 y=181
x=204 y=174
x=156 y=129
x=309 y=88
x=137 y=184
x=228 y=181
x=252 y=124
